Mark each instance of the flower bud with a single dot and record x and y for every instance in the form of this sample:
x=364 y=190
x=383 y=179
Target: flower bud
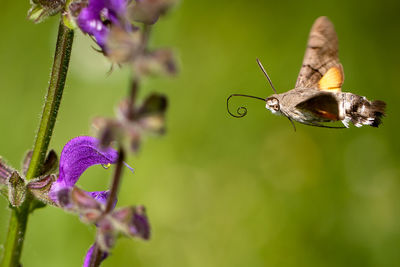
x=106 y=234
x=123 y=46
x=148 y=11
x=89 y=208
x=158 y=62
x=132 y=221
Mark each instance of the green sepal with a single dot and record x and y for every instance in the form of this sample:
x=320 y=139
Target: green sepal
x=69 y=21
x=41 y=10
x=16 y=189
x=68 y=18
x=35 y=13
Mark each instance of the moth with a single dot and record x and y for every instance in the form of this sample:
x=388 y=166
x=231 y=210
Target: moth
x=317 y=97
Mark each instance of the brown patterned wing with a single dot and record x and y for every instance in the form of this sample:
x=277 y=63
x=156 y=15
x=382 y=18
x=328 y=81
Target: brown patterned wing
x=321 y=55
x=322 y=105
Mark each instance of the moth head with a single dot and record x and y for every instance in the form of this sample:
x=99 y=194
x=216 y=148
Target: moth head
x=272 y=103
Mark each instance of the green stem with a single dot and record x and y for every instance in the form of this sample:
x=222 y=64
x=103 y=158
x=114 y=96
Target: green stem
x=19 y=215
x=53 y=99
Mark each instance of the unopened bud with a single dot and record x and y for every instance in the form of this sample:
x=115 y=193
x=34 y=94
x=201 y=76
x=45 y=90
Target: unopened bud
x=132 y=221
x=158 y=62
x=106 y=234
x=89 y=208
x=148 y=11
x=123 y=46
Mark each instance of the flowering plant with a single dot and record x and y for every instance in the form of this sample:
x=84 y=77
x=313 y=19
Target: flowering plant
x=121 y=29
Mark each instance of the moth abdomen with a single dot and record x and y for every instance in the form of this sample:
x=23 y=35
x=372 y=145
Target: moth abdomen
x=378 y=109
x=360 y=111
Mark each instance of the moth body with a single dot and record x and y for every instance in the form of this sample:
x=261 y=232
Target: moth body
x=359 y=110
x=288 y=105
x=313 y=107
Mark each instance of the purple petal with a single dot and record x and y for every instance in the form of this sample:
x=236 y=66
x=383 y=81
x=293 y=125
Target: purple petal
x=117 y=6
x=90 y=23
x=94 y=18
x=88 y=256
x=5 y=172
x=79 y=154
x=100 y=196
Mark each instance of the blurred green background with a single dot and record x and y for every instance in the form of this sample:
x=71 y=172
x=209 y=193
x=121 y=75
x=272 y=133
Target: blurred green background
x=222 y=191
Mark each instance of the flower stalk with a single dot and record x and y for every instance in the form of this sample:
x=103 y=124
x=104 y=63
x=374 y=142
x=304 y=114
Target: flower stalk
x=116 y=181
x=112 y=197
x=19 y=215
x=53 y=99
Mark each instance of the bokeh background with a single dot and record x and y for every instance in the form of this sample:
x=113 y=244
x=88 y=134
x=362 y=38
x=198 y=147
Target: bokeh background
x=222 y=191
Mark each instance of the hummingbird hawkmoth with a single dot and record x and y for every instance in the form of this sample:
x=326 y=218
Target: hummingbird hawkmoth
x=317 y=97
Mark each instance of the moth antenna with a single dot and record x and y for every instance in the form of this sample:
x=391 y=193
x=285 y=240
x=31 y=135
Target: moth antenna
x=242 y=111
x=266 y=75
x=291 y=121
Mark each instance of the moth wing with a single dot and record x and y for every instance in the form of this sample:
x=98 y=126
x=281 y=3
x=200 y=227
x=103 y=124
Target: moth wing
x=322 y=105
x=321 y=55
x=332 y=80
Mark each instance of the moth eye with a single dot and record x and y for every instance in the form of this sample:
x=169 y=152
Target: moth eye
x=276 y=107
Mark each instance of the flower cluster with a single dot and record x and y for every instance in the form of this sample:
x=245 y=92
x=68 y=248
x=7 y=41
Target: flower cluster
x=60 y=190
x=121 y=29
x=147 y=118
x=115 y=25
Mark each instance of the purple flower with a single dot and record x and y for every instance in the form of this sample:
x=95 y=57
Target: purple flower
x=79 y=154
x=97 y=17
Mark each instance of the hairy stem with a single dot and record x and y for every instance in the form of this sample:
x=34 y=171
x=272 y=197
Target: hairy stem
x=146 y=36
x=132 y=97
x=19 y=215
x=136 y=80
x=112 y=197
x=53 y=99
